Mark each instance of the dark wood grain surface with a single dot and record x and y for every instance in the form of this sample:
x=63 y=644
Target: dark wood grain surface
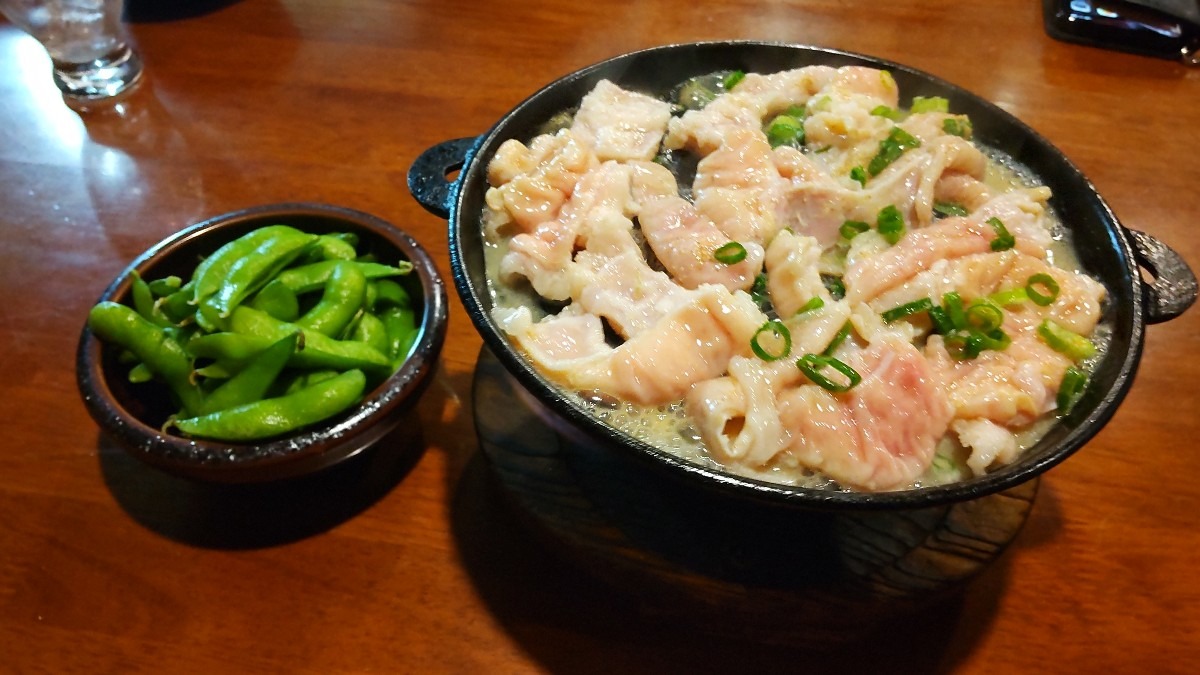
x=414 y=561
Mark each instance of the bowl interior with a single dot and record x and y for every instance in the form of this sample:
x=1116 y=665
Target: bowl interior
x=1100 y=241
x=135 y=413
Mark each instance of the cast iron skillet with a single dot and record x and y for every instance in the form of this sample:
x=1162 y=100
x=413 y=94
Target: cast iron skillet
x=1109 y=251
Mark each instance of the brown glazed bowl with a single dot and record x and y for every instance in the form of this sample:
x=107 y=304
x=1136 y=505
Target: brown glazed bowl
x=134 y=414
x=1147 y=281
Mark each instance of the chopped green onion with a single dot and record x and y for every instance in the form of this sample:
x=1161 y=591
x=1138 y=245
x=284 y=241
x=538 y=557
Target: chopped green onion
x=984 y=316
x=787 y=128
x=852 y=228
x=834 y=285
x=995 y=339
x=1044 y=281
x=1064 y=341
x=890 y=223
x=842 y=334
x=922 y=104
x=731 y=253
x=890 y=149
x=759 y=292
x=731 y=80
x=950 y=209
x=941 y=320
x=968 y=344
x=957 y=126
x=1004 y=240
x=859 y=174
x=814 y=303
x=812 y=365
x=907 y=309
x=954 y=309
x=1013 y=296
x=885 y=111
x=1071 y=390
x=780 y=341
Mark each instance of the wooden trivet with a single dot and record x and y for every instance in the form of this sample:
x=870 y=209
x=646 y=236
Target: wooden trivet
x=693 y=555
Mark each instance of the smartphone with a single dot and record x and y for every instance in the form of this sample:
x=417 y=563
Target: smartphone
x=1167 y=29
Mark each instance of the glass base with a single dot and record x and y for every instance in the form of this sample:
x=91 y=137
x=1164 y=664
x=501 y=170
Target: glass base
x=100 y=78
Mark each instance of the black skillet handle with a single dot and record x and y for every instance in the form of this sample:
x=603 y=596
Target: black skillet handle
x=429 y=179
x=1173 y=288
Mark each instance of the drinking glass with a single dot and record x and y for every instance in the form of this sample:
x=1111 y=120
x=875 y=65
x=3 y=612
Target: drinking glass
x=91 y=53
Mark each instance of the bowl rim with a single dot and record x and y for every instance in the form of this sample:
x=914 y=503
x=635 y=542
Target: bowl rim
x=589 y=429
x=294 y=454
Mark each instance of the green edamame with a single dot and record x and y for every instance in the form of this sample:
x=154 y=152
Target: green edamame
x=256 y=267
x=311 y=277
x=210 y=274
x=277 y=300
x=248 y=325
x=370 y=330
x=153 y=345
x=319 y=350
x=401 y=326
x=276 y=416
x=252 y=382
x=342 y=300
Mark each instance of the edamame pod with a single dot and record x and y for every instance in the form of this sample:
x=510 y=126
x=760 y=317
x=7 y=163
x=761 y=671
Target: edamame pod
x=311 y=277
x=252 y=382
x=371 y=330
x=389 y=293
x=211 y=272
x=319 y=350
x=341 y=301
x=277 y=416
x=401 y=326
x=277 y=300
x=122 y=326
x=256 y=267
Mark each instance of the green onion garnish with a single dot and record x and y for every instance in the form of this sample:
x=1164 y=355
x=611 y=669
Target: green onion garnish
x=859 y=174
x=814 y=303
x=1004 y=240
x=1013 y=296
x=922 y=104
x=834 y=285
x=731 y=253
x=1064 y=341
x=1035 y=294
x=842 y=334
x=759 y=292
x=779 y=341
x=787 y=128
x=890 y=149
x=885 y=111
x=1071 y=390
x=984 y=316
x=907 y=309
x=957 y=126
x=812 y=365
x=941 y=320
x=890 y=223
x=731 y=80
x=953 y=304
x=950 y=209
x=852 y=228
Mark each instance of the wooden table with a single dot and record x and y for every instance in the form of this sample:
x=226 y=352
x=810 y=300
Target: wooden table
x=109 y=566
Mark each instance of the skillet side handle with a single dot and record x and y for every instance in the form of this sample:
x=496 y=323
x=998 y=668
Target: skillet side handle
x=1173 y=288
x=429 y=179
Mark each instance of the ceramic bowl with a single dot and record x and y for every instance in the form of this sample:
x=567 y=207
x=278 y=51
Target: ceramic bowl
x=133 y=415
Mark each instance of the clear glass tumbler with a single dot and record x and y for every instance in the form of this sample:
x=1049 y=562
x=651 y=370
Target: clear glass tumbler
x=91 y=52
